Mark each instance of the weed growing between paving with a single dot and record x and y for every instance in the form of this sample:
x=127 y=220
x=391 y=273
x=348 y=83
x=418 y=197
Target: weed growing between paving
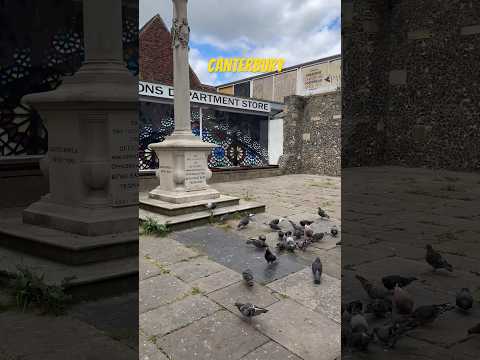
x=30 y=290
x=152 y=227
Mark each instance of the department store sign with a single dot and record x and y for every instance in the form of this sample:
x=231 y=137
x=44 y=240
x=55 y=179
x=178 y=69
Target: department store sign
x=200 y=97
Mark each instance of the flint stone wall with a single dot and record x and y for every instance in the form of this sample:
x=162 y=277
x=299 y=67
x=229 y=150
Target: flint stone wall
x=410 y=82
x=311 y=135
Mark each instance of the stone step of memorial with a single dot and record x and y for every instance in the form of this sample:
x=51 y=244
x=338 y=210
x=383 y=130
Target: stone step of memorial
x=171 y=209
x=63 y=247
x=90 y=281
x=189 y=220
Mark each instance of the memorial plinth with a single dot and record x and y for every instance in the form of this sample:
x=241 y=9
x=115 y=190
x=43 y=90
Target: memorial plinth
x=183 y=171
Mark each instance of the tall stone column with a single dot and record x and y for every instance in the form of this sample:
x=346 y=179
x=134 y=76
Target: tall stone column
x=92 y=122
x=183 y=169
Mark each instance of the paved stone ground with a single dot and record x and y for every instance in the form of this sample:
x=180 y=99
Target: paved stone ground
x=392 y=214
x=191 y=279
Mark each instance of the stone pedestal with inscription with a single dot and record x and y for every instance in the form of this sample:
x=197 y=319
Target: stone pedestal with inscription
x=183 y=171
x=92 y=123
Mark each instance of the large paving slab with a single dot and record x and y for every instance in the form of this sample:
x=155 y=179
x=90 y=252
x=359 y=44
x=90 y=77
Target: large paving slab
x=304 y=332
x=222 y=336
x=271 y=351
x=24 y=336
x=216 y=281
x=195 y=269
x=149 y=351
x=229 y=249
x=164 y=250
x=161 y=290
x=324 y=298
x=165 y=319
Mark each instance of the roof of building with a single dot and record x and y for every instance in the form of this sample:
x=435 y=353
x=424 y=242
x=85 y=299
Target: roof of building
x=313 y=62
x=156 y=57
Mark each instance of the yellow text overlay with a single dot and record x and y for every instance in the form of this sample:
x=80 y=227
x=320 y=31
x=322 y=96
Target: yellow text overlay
x=221 y=64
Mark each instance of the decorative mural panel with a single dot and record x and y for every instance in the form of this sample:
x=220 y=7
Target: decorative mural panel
x=34 y=65
x=242 y=139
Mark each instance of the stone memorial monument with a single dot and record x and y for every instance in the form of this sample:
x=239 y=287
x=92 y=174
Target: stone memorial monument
x=183 y=158
x=183 y=170
x=90 y=215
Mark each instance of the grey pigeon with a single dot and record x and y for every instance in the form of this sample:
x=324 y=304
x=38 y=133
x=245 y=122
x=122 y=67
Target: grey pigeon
x=211 y=205
x=275 y=224
x=390 y=281
x=402 y=301
x=360 y=340
x=358 y=323
x=248 y=277
x=249 y=310
x=317 y=237
x=379 y=307
x=374 y=292
x=245 y=221
x=322 y=213
x=475 y=329
x=290 y=244
x=297 y=233
x=464 y=299
x=305 y=222
x=259 y=243
x=317 y=269
x=334 y=231
x=303 y=244
x=307 y=231
x=436 y=260
x=389 y=334
x=269 y=256
x=296 y=227
x=354 y=307
x=428 y=313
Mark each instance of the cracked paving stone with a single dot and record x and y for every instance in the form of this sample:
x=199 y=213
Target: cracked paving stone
x=148 y=350
x=194 y=269
x=148 y=269
x=170 y=317
x=221 y=336
x=271 y=351
x=216 y=281
x=161 y=290
x=324 y=298
x=164 y=250
x=304 y=332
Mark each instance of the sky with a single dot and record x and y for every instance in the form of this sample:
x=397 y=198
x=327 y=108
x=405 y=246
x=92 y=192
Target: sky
x=296 y=30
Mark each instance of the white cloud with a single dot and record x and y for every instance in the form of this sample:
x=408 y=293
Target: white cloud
x=296 y=30
x=199 y=66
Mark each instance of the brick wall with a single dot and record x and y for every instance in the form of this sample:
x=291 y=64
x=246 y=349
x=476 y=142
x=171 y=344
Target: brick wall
x=311 y=131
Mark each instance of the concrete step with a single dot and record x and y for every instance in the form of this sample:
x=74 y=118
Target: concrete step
x=67 y=248
x=170 y=209
x=94 y=280
x=186 y=221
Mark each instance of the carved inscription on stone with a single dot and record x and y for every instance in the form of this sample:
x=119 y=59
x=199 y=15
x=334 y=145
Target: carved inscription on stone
x=195 y=171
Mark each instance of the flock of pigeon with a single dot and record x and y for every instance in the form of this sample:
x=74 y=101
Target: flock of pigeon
x=395 y=304
x=300 y=237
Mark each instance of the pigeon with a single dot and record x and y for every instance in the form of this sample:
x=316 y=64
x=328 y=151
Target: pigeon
x=303 y=244
x=275 y=224
x=245 y=221
x=322 y=213
x=402 y=301
x=307 y=231
x=269 y=256
x=249 y=310
x=358 y=323
x=317 y=269
x=428 y=313
x=388 y=334
x=373 y=291
x=305 y=222
x=317 y=237
x=259 y=243
x=379 y=307
x=334 y=231
x=435 y=260
x=464 y=299
x=475 y=329
x=298 y=233
x=354 y=307
x=390 y=281
x=248 y=277
x=290 y=244
x=211 y=206
x=360 y=340
x=296 y=227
